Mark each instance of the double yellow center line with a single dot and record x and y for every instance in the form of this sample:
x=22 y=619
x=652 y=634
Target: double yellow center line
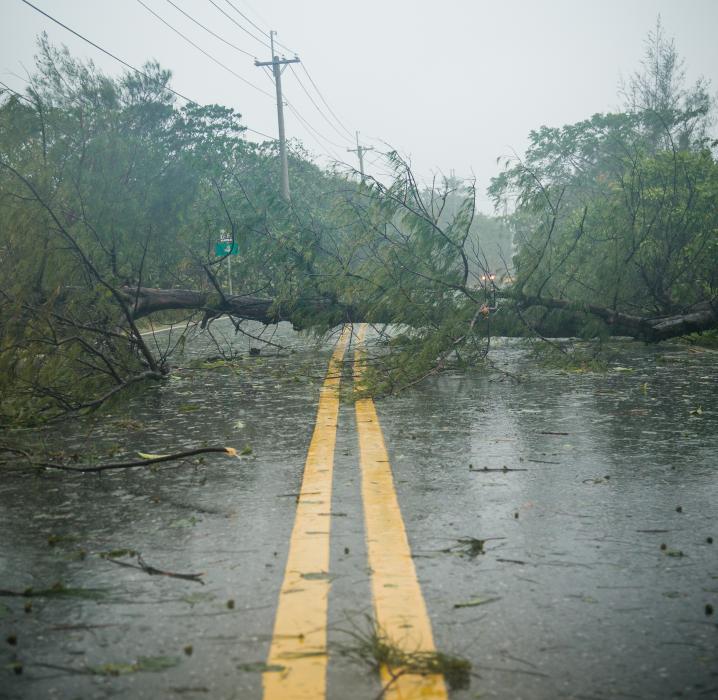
x=299 y=643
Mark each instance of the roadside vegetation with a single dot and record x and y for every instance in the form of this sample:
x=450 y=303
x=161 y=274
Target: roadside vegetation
x=113 y=196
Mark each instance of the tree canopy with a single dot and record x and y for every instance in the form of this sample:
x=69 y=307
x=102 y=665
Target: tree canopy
x=113 y=195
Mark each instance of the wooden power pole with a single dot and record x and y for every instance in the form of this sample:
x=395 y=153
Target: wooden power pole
x=360 y=151
x=278 y=65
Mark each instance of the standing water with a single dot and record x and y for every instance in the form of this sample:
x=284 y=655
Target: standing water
x=561 y=524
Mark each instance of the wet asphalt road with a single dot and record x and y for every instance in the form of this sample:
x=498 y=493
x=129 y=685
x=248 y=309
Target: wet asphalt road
x=577 y=597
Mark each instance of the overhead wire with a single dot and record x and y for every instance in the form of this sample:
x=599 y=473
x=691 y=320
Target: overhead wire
x=309 y=128
x=306 y=70
x=244 y=29
x=207 y=29
x=206 y=53
x=256 y=12
x=309 y=76
x=339 y=121
x=16 y=93
x=318 y=108
x=105 y=51
x=257 y=27
x=303 y=120
x=311 y=79
x=126 y=64
x=241 y=14
x=329 y=150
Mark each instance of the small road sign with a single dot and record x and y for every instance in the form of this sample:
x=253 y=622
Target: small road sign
x=226 y=248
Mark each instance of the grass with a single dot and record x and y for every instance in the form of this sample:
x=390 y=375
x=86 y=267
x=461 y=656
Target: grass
x=583 y=357
x=373 y=647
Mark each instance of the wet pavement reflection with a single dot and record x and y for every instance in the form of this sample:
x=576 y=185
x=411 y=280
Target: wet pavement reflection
x=585 y=569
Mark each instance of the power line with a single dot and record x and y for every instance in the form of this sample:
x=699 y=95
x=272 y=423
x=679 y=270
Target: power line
x=199 y=48
x=105 y=51
x=319 y=109
x=128 y=65
x=244 y=29
x=339 y=121
x=239 y=12
x=257 y=13
x=207 y=29
x=316 y=87
x=328 y=150
x=16 y=93
x=256 y=26
x=308 y=127
x=316 y=131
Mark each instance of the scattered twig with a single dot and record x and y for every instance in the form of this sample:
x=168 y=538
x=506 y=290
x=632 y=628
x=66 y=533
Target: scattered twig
x=137 y=462
x=500 y=469
x=395 y=675
x=152 y=571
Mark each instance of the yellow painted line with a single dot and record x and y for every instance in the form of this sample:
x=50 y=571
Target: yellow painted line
x=399 y=607
x=299 y=643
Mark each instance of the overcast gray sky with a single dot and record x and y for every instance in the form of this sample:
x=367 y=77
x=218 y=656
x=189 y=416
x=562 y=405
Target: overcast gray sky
x=452 y=84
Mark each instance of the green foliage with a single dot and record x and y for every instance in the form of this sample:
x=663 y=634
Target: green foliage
x=619 y=210
x=374 y=648
x=636 y=230
x=105 y=184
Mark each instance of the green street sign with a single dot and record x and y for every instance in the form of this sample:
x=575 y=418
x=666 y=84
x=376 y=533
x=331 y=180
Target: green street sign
x=226 y=248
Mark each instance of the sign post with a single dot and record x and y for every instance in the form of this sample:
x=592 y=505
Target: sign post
x=228 y=248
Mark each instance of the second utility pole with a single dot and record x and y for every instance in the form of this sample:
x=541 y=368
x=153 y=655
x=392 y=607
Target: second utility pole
x=360 y=151
x=277 y=69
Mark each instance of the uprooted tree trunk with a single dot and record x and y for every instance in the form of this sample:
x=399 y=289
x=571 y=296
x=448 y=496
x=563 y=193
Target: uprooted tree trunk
x=146 y=301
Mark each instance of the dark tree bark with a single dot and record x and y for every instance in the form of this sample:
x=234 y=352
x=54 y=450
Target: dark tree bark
x=147 y=301
x=701 y=317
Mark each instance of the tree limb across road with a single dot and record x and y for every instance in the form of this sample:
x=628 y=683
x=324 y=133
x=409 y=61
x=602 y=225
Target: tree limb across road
x=701 y=317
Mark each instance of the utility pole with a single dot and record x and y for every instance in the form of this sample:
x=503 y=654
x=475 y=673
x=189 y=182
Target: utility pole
x=278 y=66
x=360 y=151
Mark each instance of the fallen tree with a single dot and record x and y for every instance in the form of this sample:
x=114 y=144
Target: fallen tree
x=146 y=301
x=703 y=316
x=110 y=212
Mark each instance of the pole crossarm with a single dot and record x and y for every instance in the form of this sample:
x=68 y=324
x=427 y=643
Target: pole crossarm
x=277 y=60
